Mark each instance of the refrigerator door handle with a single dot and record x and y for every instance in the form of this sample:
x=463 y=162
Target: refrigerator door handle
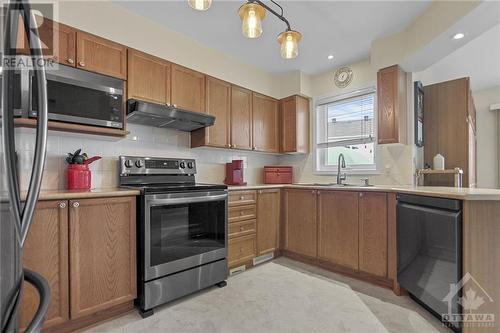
x=42 y=123
x=43 y=289
x=8 y=140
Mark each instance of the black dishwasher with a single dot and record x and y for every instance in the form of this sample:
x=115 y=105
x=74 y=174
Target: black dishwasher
x=429 y=243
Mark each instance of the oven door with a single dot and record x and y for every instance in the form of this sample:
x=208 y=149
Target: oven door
x=183 y=230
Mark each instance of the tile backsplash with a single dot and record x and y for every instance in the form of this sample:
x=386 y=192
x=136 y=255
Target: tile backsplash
x=142 y=141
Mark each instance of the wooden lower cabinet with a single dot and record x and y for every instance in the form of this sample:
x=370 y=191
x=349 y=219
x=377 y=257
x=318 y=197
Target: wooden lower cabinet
x=373 y=233
x=338 y=228
x=268 y=220
x=86 y=249
x=46 y=252
x=300 y=222
x=103 y=256
x=241 y=250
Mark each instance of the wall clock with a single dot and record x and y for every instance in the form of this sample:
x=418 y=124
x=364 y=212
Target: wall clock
x=343 y=77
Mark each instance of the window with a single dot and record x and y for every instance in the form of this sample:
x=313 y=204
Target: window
x=346 y=125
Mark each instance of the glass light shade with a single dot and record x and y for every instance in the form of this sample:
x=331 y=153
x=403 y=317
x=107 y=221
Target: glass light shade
x=200 y=4
x=289 y=41
x=251 y=15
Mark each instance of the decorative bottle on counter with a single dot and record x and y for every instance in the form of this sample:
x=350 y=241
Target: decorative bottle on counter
x=438 y=162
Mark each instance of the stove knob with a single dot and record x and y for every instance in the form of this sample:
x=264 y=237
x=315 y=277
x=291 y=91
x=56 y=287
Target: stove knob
x=129 y=163
x=139 y=163
x=182 y=165
x=190 y=165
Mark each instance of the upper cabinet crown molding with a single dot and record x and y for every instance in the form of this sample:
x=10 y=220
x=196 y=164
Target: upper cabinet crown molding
x=100 y=55
x=392 y=101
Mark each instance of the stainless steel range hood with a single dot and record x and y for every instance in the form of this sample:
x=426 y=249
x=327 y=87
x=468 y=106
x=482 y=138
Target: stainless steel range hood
x=158 y=115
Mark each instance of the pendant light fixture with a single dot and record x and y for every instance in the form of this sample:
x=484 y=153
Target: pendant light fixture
x=251 y=15
x=200 y=4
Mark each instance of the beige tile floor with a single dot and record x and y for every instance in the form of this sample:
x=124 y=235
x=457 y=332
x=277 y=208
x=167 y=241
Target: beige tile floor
x=284 y=296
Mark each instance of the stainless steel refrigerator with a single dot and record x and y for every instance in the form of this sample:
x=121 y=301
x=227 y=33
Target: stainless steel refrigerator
x=16 y=215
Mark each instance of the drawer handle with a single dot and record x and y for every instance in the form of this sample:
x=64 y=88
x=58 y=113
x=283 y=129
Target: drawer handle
x=76 y=204
x=71 y=61
x=81 y=63
x=242 y=198
x=62 y=205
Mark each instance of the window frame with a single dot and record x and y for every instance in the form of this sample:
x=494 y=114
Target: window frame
x=319 y=154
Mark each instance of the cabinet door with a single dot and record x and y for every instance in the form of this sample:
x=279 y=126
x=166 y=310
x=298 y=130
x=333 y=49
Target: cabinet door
x=338 y=228
x=218 y=104
x=100 y=55
x=300 y=225
x=241 y=118
x=373 y=233
x=265 y=124
x=58 y=39
x=268 y=218
x=46 y=252
x=148 y=78
x=188 y=89
x=102 y=253
x=295 y=125
x=391 y=97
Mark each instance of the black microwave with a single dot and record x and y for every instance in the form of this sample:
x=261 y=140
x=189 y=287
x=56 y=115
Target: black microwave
x=80 y=97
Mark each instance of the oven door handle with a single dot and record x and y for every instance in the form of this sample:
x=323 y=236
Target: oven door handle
x=175 y=201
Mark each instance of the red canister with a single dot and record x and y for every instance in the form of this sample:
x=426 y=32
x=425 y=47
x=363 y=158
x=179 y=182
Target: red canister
x=79 y=177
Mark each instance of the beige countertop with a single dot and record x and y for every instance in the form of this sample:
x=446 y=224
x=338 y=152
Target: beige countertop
x=79 y=194
x=433 y=191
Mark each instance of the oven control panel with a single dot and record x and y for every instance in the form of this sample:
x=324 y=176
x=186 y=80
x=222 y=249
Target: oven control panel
x=133 y=165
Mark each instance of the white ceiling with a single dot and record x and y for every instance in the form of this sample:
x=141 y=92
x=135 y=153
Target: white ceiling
x=478 y=59
x=345 y=29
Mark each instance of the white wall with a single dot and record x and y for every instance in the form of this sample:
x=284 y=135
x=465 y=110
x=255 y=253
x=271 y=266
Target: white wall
x=142 y=141
x=488 y=144
x=395 y=162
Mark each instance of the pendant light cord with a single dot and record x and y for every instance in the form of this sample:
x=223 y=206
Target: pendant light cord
x=272 y=11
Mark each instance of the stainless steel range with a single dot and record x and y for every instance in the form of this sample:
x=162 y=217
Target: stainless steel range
x=182 y=229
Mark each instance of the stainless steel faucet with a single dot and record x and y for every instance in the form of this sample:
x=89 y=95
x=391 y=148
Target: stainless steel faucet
x=341 y=164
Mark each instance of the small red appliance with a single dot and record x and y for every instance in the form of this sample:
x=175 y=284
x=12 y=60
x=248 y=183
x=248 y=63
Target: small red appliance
x=278 y=174
x=234 y=173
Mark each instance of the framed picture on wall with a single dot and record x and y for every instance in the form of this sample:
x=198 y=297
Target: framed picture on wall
x=419 y=113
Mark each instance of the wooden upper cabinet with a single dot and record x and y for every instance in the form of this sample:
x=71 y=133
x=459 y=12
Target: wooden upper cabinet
x=46 y=252
x=218 y=104
x=188 y=89
x=373 y=233
x=265 y=118
x=391 y=97
x=100 y=55
x=58 y=41
x=338 y=228
x=102 y=238
x=268 y=218
x=295 y=125
x=148 y=78
x=241 y=118
x=300 y=226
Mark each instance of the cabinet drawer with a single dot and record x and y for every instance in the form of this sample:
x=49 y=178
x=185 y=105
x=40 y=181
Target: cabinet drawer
x=242 y=198
x=237 y=229
x=242 y=213
x=241 y=249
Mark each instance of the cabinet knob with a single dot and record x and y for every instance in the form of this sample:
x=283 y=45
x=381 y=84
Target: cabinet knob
x=62 y=205
x=242 y=198
x=360 y=194
x=76 y=204
x=313 y=191
x=71 y=61
x=242 y=213
x=167 y=104
x=318 y=192
x=241 y=228
x=254 y=148
x=234 y=146
x=81 y=64
x=174 y=105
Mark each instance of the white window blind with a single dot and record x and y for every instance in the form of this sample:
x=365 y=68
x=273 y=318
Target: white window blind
x=346 y=122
